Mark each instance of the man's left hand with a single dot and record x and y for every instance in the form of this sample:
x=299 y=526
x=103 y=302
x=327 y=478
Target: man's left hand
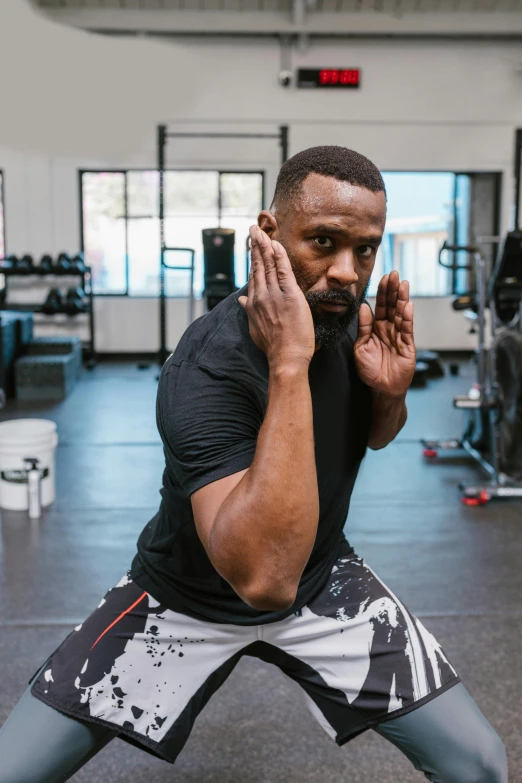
x=385 y=350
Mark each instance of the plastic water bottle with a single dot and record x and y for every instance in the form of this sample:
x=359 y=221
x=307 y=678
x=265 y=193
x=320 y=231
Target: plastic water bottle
x=33 y=488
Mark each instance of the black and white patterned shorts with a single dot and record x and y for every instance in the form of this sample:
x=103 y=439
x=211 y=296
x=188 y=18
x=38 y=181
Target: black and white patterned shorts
x=146 y=672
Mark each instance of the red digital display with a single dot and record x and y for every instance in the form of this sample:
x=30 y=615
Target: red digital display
x=329 y=77
x=337 y=76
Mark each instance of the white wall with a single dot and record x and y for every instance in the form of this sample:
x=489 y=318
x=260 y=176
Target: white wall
x=73 y=100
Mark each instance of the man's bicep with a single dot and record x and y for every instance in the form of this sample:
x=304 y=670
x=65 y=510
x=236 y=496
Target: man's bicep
x=207 y=501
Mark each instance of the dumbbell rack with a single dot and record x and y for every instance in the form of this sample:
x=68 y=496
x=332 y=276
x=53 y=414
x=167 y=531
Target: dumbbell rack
x=36 y=307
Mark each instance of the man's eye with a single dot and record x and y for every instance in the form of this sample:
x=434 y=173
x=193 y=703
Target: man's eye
x=365 y=251
x=323 y=241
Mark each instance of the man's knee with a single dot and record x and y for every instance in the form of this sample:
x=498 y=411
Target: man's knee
x=18 y=776
x=494 y=767
x=16 y=767
x=487 y=763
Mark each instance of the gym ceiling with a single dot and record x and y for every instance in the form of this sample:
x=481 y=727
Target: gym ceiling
x=461 y=19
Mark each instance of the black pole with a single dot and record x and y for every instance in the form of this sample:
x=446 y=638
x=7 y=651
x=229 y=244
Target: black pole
x=220 y=198
x=92 y=357
x=162 y=138
x=126 y=218
x=455 y=234
x=518 y=164
x=283 y=141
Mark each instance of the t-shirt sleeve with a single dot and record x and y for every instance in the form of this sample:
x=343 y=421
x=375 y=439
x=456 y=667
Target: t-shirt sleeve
x=208 y=423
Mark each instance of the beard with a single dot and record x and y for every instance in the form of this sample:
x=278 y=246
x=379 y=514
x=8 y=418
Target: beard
x=331 y=328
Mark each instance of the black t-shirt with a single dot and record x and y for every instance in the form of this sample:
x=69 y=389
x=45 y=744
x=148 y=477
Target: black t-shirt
x=211 y=403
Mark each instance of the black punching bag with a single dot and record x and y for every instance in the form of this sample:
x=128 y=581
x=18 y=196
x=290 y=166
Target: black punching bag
x=218 y=259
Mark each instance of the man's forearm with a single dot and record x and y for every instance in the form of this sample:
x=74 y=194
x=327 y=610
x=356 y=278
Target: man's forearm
x=389 y=417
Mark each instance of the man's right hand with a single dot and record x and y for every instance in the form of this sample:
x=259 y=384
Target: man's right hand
x=279 y=316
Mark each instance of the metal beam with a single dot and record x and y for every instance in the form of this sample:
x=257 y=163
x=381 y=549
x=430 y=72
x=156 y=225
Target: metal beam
x=476 y=24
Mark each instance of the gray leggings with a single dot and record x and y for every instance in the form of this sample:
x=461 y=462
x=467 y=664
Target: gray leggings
x=448 y=739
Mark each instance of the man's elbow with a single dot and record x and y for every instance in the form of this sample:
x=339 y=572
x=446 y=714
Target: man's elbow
x=268 y=598
x=375 y=444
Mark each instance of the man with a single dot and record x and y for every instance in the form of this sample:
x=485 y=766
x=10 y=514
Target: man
x=265 y=410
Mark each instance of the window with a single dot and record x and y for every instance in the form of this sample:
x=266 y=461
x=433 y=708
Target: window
x=104 y=230
x=424 y=210
x=121 y=233
x=2 y=231
x=121 y=226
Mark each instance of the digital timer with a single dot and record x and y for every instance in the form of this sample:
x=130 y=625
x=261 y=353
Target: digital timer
x=329 y=77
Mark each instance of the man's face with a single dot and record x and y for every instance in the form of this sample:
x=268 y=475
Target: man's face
x=331 y=231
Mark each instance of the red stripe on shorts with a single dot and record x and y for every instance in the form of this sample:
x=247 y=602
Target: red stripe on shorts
x=117 y=620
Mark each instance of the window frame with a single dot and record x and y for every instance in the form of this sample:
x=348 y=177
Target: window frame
x=2 y=202
x=128 y=217
x=497 y=205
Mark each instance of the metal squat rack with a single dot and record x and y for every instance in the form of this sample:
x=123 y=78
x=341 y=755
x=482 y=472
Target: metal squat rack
x=163 y=136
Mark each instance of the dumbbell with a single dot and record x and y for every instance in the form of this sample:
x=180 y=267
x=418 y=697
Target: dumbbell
x=74 y=301
x=24 y=265
x=54 y=302
x=77 y=264
x=8 y=264
x=46 y=265
x=63 y=265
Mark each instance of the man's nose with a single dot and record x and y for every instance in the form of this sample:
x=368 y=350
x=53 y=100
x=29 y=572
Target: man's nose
x=342 y=270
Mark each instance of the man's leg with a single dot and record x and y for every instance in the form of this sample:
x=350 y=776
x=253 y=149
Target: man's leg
x=363 y=659
x=450 y=740
x=141 y=670
x=41 y=745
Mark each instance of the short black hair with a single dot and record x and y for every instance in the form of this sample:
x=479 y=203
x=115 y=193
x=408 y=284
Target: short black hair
x=330 y=161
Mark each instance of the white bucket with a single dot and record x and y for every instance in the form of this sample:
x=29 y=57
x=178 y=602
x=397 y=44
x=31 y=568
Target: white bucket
x=20 y=439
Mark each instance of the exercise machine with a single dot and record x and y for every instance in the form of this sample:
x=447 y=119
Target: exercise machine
x=218 y=265
x=493 y=432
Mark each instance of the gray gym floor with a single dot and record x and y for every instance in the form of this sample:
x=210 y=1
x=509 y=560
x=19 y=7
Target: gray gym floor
x=458 y=568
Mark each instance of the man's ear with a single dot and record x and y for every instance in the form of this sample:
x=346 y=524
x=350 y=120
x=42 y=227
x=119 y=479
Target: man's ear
x=268 y=223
